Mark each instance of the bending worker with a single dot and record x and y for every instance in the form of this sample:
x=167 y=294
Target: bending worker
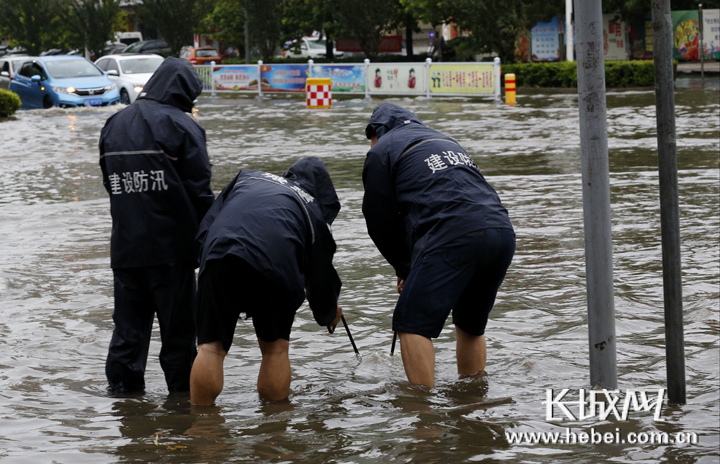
x=156 y=170
x=266 y=244
x=438 y=222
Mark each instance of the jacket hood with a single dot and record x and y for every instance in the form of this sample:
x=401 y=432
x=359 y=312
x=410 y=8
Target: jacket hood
x=312 y=176
x=386 y=117
x=174 y=83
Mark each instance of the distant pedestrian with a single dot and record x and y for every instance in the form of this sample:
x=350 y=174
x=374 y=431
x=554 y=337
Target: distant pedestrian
x=156 y=170
x=438 y=222
x=266 y=245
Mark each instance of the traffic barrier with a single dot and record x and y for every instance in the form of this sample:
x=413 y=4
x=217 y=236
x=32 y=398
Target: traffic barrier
x=510 y=89
x=319 y=93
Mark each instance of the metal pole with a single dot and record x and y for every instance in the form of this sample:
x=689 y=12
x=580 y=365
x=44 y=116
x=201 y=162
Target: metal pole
x=669 y=217
x=569 y=31
x=212 y=84
x=498 y=84
x=702 y=46
x=247 y=40
x=259 y=71
x=428 y=62
x=596 y=193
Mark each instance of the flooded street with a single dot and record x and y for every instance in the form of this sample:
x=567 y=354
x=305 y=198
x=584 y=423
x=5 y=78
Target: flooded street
x=56 y=295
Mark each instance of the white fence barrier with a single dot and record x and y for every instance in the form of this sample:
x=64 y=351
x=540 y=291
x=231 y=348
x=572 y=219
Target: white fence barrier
x=429 y=79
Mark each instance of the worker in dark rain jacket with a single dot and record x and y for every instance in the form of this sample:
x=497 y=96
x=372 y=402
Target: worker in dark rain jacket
x=266 y=245
x=156 y=170
x=438 y=222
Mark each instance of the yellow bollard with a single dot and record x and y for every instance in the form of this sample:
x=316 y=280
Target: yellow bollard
x=510 y=89
x=319 y=94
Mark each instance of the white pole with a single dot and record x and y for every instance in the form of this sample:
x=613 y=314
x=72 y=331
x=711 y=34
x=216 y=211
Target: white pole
x=496 y=70
x=212 y=84
x=428 y=62
x=569 y=30
x=367 y=79
x=259 y=66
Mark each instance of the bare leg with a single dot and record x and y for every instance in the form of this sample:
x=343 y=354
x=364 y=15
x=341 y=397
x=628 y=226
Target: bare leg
x=274 y=378
x=206 y=377
x=471 y=353
x=418 y=357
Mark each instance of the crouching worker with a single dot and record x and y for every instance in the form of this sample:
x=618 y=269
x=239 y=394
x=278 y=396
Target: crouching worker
x=442 y=227
x=266 y=244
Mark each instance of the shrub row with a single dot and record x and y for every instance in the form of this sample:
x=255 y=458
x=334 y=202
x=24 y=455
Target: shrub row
x=564 y=74
x=9 y=103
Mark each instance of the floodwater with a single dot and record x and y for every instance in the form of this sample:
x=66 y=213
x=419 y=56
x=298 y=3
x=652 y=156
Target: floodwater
x=56 y=295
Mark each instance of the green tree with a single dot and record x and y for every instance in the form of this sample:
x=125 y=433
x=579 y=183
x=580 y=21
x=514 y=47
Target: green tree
x=175 y=20
x=303 y=17
x=367 y=21
x=34 y=25
x=265 y=25
x=227 y=21
x=91 y=23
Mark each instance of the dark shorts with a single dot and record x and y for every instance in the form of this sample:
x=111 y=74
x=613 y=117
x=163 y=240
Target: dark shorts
x=230 y=286
x=462 y=276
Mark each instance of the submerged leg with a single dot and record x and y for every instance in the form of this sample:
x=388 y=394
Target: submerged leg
x=471 y=352
x=274 y=378
x=418 y=355
x=206 y=378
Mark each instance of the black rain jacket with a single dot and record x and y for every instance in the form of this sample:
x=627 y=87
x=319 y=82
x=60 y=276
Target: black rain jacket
x=156 y=169
x=281 y=227
x=421 y=189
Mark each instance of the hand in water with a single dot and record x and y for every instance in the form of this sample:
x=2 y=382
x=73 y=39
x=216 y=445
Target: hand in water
x=333 y=324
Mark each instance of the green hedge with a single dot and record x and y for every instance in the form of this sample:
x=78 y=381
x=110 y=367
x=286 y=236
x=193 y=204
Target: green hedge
x=564 y=74
x=9 y=102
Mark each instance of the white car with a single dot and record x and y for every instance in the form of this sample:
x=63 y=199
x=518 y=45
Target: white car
x=311 y=48
x=129 y=72
x=8 y=65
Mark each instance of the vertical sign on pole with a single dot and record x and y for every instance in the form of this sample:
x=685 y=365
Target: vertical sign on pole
x=596 y=193
x=669 y=217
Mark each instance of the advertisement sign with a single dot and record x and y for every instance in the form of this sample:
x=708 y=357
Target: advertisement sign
x=711 y=34
x=545 y=41
x=235 y=78
x=473 y=79
x=397 y=78
x=348 y=78
x=284 y=77
x=686 y=38
x=614 y=38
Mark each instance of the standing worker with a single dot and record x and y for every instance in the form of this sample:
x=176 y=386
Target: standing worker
x=156 y=170
x=438 y=222
x=266 y=244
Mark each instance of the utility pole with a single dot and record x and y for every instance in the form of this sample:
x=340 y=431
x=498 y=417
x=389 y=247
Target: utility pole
x=596 y=193
x=669 y=216
x=569 y=31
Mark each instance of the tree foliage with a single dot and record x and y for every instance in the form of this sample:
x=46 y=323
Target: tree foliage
x=175 y=20
x=367 y=21
x=34 y=25
x=91 y=23
x=265 y=17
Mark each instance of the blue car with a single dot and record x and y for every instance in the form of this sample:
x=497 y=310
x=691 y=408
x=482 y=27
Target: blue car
x=63 y=80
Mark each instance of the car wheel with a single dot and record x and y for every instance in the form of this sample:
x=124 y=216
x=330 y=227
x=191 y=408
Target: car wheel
x=124 y=97
x=47 y=102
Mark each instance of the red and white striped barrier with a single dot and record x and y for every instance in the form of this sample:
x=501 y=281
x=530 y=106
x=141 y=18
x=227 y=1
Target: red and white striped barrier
x=319 y=93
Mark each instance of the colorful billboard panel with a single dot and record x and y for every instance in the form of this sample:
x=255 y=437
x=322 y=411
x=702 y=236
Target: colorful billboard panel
x=235 y=78
x=686 y=39
x=284 y=77
x=469 y=79
x=614 y=38
x=397 y=78
x=348 y=78
x=545 y=41
x=711 y=34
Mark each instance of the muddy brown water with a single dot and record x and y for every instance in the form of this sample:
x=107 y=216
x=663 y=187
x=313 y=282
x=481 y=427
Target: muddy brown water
x=56 y=295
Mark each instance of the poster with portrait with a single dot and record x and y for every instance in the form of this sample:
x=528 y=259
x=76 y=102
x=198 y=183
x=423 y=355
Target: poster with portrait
x=396 y=78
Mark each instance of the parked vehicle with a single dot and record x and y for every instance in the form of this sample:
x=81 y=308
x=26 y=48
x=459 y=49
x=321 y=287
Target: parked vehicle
x=128 y=38
x=149 y=47
x=309 y=47
x=201 y=55
x=113 y=49
x=64 y=81
x=8 y=67
x=129 y=72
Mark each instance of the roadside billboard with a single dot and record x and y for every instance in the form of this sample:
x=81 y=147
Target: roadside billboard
x=284 y=77
x=345 y=78
x=711 y=34
x=545 y=44
x=614 y=38
x=397 y=78
x=464 y=79
x=235 y=78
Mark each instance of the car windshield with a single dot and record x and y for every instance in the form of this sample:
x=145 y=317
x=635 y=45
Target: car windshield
x=141 y=65
x=202 y=53
x=66 y=69
x=318 y=44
